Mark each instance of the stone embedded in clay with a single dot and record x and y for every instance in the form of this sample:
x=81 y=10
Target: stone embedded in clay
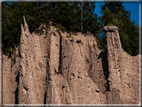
x=113 y=28
x=105 y=28
x=40 y=64
x=97 y=90
x=110 y=28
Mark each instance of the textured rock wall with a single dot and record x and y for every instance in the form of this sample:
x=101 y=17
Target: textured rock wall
x=10 y=78
x=62 y=68
x=73 y=70
x=71 y=79
x=80 y=79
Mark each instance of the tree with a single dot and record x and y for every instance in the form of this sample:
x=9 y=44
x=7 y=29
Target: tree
x=90 y=19
x=12 y=17
x=10 y=27
x=81 y=15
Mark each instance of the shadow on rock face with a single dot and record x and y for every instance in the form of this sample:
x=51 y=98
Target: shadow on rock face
x=16 y=91
x=16 y=96
x=100 y=75
x=113 y=97
x=103 y=56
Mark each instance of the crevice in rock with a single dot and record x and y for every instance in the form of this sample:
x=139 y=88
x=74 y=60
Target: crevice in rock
x=48 y=80
x=48 y=76
x=107 y=86
x=60 y=54
x=45 y=97
x=16 y=91
x=103 y=56
x=90 y=54
x=56 y=71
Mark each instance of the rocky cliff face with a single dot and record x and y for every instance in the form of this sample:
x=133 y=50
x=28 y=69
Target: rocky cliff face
x=53 y=67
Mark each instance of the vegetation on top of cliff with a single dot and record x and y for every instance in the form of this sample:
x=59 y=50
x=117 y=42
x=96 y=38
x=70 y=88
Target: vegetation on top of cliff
x=65 y=15
x=68 y=16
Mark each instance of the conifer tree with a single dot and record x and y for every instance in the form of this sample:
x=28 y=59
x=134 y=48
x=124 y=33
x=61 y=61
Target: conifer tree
x=90 y=19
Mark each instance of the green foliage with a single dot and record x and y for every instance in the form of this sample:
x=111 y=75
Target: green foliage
x=110 y=24
x=90 y=20
x=61 y=27
x=107 y=17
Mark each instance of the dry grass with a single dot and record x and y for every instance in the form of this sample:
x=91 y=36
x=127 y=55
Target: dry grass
x=90 y=66
x=87 y=60
x=94 y=45
x=54 y=33
x=69 y=36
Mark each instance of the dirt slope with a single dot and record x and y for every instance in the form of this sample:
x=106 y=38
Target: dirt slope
x=61 y=68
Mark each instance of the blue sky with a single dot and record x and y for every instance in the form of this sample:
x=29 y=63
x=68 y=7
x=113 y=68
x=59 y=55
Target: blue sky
x=132 y=7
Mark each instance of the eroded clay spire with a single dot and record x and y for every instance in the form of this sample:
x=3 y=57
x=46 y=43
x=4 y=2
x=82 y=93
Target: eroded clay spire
x=25 y=24
x=22 y=29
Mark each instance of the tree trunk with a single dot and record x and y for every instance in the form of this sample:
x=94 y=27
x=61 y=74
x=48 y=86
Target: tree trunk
x=81 y=16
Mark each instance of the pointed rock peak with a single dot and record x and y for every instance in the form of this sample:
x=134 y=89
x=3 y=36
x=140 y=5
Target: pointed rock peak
x=25 y=24
x=110 y=28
